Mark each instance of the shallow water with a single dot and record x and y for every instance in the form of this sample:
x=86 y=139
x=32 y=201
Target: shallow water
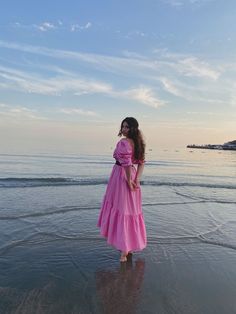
x=52 y=259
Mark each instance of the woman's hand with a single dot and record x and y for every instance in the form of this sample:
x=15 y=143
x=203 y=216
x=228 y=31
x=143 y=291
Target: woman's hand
x=137 y=183
x=132 y=185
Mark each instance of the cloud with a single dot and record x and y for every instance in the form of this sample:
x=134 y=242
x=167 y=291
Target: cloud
x=192 y=78
x=46 y=26
x=180 y=3
x=69 y=82
x=20 y=113
x=204 y=113
x=169 y=87
x=188 y=65
x=175 y=3
x=43 y=27
x=193 y=67
x=30 y=83
x=131 y=54
x=72 y=111
x=3 y=105
x=197 y=93
x=75 y=27
x=184 y=64
x=17 y=24
x=136 y=33
x=49 y=26
x=144 y=95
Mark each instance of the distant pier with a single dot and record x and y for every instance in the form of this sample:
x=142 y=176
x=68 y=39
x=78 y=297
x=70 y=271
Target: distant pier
x=226 y=146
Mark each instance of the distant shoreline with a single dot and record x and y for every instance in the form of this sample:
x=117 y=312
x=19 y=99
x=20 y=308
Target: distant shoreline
x=226 y=146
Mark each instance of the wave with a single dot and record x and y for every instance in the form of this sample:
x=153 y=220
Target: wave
x=62 y=181
x=190 y=184
x=9 y=215
x=190 y=240
x=42 y=237
x=45 y=237
x=37 y=182
x=47 y=212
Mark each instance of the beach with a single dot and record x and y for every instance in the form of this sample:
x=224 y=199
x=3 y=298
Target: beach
x=53 y=260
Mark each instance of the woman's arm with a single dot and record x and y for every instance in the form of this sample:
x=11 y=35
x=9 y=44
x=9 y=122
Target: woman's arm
x=139 y=174
x=131 y=184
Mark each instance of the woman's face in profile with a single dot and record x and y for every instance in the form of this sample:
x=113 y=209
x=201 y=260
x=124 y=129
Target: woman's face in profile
x=125 y=129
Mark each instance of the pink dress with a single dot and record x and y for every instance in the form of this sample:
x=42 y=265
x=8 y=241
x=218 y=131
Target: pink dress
x=121 y=219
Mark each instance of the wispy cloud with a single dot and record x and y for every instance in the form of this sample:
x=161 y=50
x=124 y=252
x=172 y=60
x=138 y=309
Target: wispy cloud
x=55 y=86
x=144 y=95
x=132 y=54
x=77 y=27
x=193 y=67
x=189 y=77
x=136 y=33
x=177 y=3
x=72 y=111
x=3 y=105
x=30 y=83
x=180 y=3
x=188 y=65
x=170 y=87
x=185 y=65
x=19 y=112
x=204 y=113
x=46 y=26
x=197 y=92
x=50 y=26
x=43 y=27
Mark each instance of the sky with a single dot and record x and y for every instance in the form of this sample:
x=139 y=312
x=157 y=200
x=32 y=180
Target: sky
x=71 y=71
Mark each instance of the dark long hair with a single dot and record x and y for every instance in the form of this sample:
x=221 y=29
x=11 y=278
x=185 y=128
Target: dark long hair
x=136 y=135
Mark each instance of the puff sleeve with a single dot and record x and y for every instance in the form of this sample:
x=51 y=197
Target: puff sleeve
x=123 y=153
x=140 y=162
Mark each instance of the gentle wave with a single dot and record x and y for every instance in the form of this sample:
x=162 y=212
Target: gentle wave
x=46 y=237
x=191 y=184
x=9 y=215
x=37 y=182
x=60 y=181
x=47 y=212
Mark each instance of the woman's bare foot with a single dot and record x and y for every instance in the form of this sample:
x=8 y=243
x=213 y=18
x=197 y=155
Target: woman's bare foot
x=123 y=257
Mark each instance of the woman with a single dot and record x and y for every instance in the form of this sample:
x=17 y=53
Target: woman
x=121 y=219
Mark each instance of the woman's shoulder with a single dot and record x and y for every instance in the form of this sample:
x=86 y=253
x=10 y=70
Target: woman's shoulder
x=126 y=144
x=127 y=141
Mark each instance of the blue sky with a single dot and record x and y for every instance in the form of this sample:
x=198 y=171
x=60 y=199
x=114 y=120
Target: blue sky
x=70 y=71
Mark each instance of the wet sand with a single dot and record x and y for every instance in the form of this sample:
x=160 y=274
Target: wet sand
x=53 y=275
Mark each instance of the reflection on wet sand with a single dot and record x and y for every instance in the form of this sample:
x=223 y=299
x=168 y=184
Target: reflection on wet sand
x=52 y=298
x=119 y=290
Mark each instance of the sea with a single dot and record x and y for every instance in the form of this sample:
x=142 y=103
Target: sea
x=53 y=259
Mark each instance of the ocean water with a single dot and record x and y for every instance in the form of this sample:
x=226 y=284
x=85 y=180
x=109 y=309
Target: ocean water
x=53 y=260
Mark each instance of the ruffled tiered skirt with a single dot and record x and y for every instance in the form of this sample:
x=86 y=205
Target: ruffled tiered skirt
x=121 y=219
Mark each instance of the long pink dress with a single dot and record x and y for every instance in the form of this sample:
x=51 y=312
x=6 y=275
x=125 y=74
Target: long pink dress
x=121 y=219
